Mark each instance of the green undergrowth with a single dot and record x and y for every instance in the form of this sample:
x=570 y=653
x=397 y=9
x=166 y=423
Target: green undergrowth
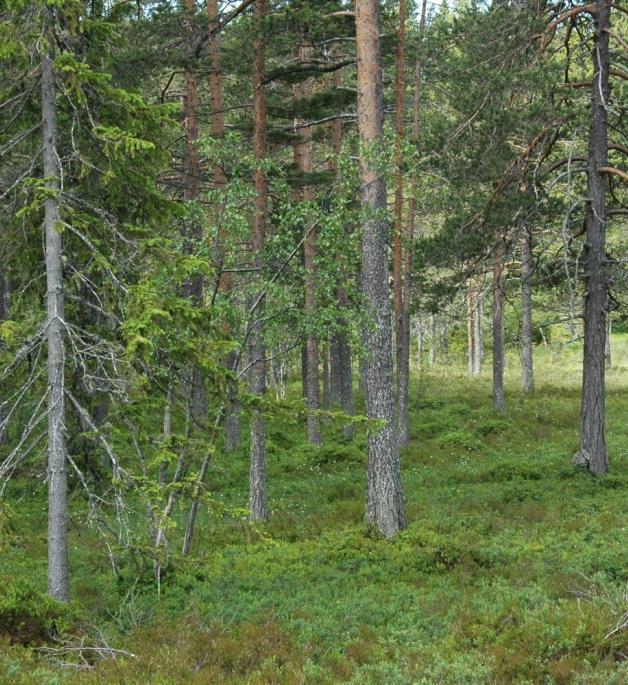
x=513 y=568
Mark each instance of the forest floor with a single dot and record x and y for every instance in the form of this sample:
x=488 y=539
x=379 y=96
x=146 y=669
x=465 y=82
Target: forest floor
x=513 y=568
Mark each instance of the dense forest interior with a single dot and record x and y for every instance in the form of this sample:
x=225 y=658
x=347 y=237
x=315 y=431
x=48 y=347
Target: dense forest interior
x=313 y=342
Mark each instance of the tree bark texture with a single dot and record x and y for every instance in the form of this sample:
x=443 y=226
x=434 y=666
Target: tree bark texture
x=341 y=369
x=498 y=327
x=402 y=339
x=478 y=347
x=470 y=340
x=303 y=149
x=58 y=564
x=384 y=502
x=593 y=451
x=257 y=374
x=527 y=369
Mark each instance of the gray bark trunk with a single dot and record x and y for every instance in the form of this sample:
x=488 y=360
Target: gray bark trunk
x=326 y=377
x=420 y=334
x=432 y=356
x=498 y=330
x=5 y=304
x=607 y=352
x=527 y=370
x=593 y=411
x=58 y=566
x=470 y=340
x=478 y=347
x=384 y=502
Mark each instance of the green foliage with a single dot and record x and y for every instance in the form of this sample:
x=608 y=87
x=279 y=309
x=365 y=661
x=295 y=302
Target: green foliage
x=30 y=617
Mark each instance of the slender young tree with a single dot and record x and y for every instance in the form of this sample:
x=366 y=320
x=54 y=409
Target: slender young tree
x=470 y=340
x=384 y=502
x=593 y=452
x=402 y=339
x=527 y=369
x=499 y=301
x=303 y=152
x=478 y=347
x=217 y=122
x=58 y=565
x=257 y=352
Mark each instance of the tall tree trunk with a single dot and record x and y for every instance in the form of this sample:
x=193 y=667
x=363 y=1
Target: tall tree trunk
x=498 y=327
x=401 y=338
x=478 y=347
x=592 y=418
x=384 y=502
x=303 y=161
x=608 y=361
x=5 y=305
x=232 y=417
x=527 y=370
x=420 y=334
x=341 y=368
x=326 y=376
x=257 y=374
x=432 y=354
x=58 y=566
x=191 y=187
x=444 y=336
x=470 y=341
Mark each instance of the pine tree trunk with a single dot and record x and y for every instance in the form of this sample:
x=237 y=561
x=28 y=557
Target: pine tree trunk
x=498 y=329
x=401 y=339
x=608 y=361
x=326 y=376
x=593 y=412
x=303 y=160
x=384 y=506
x=478 y=347
x=232 y=416
x=5 y=306
x=527 y=371
x=341 y=370
x=432 y=355
x=420 y=334
x=257 y=374
x=334 y=370
x=58 y=565
x=470 y=341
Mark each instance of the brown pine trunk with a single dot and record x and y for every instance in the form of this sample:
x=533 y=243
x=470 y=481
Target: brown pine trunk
x=303 y=160
x=498 y=328
x=384 y=505
x=593 y=452
x=217 y=120
x=341 y=368
x=401 y=337
x=257 y=374
x=527 y=369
